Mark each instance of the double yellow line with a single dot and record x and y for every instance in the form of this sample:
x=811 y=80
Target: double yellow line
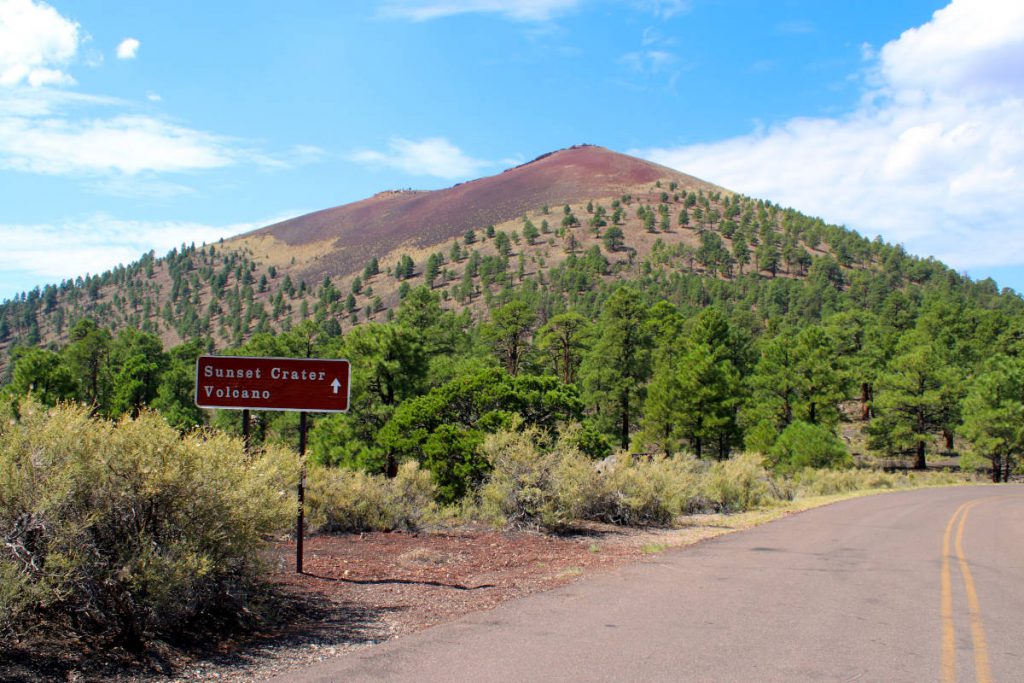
x=983 y=673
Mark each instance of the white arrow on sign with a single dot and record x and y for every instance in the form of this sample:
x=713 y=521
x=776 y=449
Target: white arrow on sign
x=335 y=385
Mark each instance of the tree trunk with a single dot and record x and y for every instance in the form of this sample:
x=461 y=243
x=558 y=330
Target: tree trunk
x=512 y=359
x=865 y=402
x=948 y=433
x=920 y=464
x=697 y=446
x=624 y=434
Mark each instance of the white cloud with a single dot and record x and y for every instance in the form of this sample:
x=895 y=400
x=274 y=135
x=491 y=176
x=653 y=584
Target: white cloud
x=127 y=48
x=428 y=157
x=648 y=61
x=57 y=132
x=932 y=158
x=42 y=102
x=133 y=187
x=520 y=10
x=651 y=36
x=127 y=144
x=93 y=58
x=36 y=42
x=100 y=242
x=517 y=10
x=975 y=45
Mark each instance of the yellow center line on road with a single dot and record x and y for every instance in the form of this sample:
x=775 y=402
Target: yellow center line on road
x=946 y=613
x=982 y=672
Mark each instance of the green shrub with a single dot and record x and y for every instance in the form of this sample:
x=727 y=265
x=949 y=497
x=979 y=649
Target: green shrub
x=806 y=445
x=127 y=531
x=339 y=499
x=761 y=437
x=742 y=483
x=971 y=461
x=589 y=439
x=443 y=429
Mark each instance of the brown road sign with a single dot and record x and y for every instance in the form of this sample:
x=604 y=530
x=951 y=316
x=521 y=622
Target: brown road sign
x=236 y=382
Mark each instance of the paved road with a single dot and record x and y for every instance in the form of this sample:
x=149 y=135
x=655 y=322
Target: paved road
x=862 y=590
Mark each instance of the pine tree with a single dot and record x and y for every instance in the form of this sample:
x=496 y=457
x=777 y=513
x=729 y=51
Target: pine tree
x=530 y=232
x=564 y=338
x=613 y=238
x=430 y=271
x=87 y=358
x=740 y=251
x=503 y=243
x=913 y=403
x=820 y=385
x=992 y=414
x=616 y=368
x=509 y=328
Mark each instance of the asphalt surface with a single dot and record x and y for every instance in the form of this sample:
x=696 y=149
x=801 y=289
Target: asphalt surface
x=870 y=589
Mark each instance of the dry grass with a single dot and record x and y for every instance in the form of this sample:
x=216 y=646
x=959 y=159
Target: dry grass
x=268 y=251
x=695 y=528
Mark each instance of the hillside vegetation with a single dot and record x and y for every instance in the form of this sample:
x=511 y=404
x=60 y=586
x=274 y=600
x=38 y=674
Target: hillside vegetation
x=665 y=321
x=624 y=358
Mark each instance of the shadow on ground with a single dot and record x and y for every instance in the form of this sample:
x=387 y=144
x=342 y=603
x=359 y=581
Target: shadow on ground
x=291 y=619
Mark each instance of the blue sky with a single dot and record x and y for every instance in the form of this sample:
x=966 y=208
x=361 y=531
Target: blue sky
x=161 y=122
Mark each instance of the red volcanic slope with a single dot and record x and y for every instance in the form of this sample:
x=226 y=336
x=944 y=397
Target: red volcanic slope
x=378 y=224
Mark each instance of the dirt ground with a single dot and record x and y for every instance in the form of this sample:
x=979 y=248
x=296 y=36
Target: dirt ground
x=367 y=588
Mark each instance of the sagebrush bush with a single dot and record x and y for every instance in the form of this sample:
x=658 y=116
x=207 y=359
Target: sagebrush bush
x=339 y=499
x=742 y=483
x=128 y=531
x=813 y=482
x=942 y=478
x=533 y=484
x=521 y=488
x=536 y=484
x=640 y=491
x=816 y=482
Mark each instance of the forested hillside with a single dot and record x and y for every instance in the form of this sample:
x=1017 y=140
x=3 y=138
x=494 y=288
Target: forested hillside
x=663 y=319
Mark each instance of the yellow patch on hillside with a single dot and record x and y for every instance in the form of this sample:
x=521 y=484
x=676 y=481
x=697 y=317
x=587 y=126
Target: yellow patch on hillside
x=270 y=251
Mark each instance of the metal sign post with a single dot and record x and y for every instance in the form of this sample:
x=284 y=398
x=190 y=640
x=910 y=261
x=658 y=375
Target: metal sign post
x=293 y=384
x=245 y=430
